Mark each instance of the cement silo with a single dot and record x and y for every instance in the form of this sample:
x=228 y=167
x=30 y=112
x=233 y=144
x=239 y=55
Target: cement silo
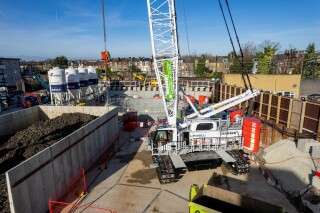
x=73 y=84
x=93 y=79
x=58 y=85
x=84 y=81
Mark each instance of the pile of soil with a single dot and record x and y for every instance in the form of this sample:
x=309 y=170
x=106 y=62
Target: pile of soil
x=28 y=142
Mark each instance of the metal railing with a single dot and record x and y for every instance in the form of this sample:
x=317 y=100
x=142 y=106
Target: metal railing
x=197 y=145
x=123 y=83
x=201 y=84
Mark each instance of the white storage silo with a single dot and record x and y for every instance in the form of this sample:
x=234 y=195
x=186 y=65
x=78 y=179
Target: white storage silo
x=83 y=78
x=58 y=85
x=73 y=83
x=93 y=79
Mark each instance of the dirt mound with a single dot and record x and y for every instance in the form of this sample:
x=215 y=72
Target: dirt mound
x=32 y=140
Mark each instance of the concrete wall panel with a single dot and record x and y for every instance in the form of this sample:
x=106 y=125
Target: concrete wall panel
x=75 y=159
x=5 y=127
x=47 y=174
x=67 y=162
x=87 y=148
x=15 y=124
x=35 y=185
x=20 y=200
x=81 y=148
x=57 y=165
x=43 y=111
x=32 y=194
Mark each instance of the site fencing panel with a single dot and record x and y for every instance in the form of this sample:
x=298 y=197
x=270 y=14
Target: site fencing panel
x=294 y=115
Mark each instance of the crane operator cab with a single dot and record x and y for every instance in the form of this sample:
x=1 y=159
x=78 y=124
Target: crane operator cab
x=163 y=139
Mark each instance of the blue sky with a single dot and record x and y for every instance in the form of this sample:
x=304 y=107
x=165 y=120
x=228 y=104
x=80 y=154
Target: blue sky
x=49 y=28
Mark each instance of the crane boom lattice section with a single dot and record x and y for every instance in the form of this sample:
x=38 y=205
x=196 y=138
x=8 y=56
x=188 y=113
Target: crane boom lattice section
x=162 y=20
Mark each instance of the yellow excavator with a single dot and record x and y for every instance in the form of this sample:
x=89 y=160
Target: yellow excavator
x=143 y=78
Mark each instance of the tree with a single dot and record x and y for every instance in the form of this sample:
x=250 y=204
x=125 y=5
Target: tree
x=311 y=70
x=249 y=51
x=60 y=61
x=267 y=51
x=201 y=68
x=134 y=69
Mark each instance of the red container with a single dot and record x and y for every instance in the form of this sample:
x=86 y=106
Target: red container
x=129 y=120
x=251 y=133
x=190 y=97
x=235 y=113
x=203 y=99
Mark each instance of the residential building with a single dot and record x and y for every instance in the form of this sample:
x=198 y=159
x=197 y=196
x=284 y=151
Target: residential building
x=216 y=63
x=288 y=63
x=9 y=72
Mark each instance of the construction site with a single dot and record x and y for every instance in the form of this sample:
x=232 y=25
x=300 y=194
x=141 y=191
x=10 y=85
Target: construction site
x=159 y=144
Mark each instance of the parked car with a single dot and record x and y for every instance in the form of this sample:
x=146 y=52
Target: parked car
x=314 y=98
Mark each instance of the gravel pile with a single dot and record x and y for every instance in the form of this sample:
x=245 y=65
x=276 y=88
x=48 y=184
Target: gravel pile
x=26 y=143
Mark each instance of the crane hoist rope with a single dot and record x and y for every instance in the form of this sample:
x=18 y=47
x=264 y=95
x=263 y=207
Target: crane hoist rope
x=244 y=74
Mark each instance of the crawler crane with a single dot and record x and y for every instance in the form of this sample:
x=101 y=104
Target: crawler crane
x=199 y=139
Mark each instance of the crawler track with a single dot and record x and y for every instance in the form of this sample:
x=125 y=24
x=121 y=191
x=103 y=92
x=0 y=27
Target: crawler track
x=165 y=170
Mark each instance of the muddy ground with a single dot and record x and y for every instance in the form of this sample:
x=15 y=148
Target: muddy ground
x=24 y=144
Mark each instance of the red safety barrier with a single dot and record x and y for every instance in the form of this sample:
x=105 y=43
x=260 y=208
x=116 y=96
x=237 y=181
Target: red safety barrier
x=58 y=206
x=203 y=99
x=251 y=133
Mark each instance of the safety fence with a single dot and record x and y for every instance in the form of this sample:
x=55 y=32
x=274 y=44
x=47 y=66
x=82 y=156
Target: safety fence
x=69 y=197
x=292 y=115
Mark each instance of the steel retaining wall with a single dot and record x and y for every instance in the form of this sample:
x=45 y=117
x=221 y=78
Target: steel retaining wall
x=31 y=183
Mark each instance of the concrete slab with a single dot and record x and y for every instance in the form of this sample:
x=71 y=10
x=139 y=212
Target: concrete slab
x=315 y=151
x=168 y=200
x=128 y=174
x=305 y=145
x=316 y=182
